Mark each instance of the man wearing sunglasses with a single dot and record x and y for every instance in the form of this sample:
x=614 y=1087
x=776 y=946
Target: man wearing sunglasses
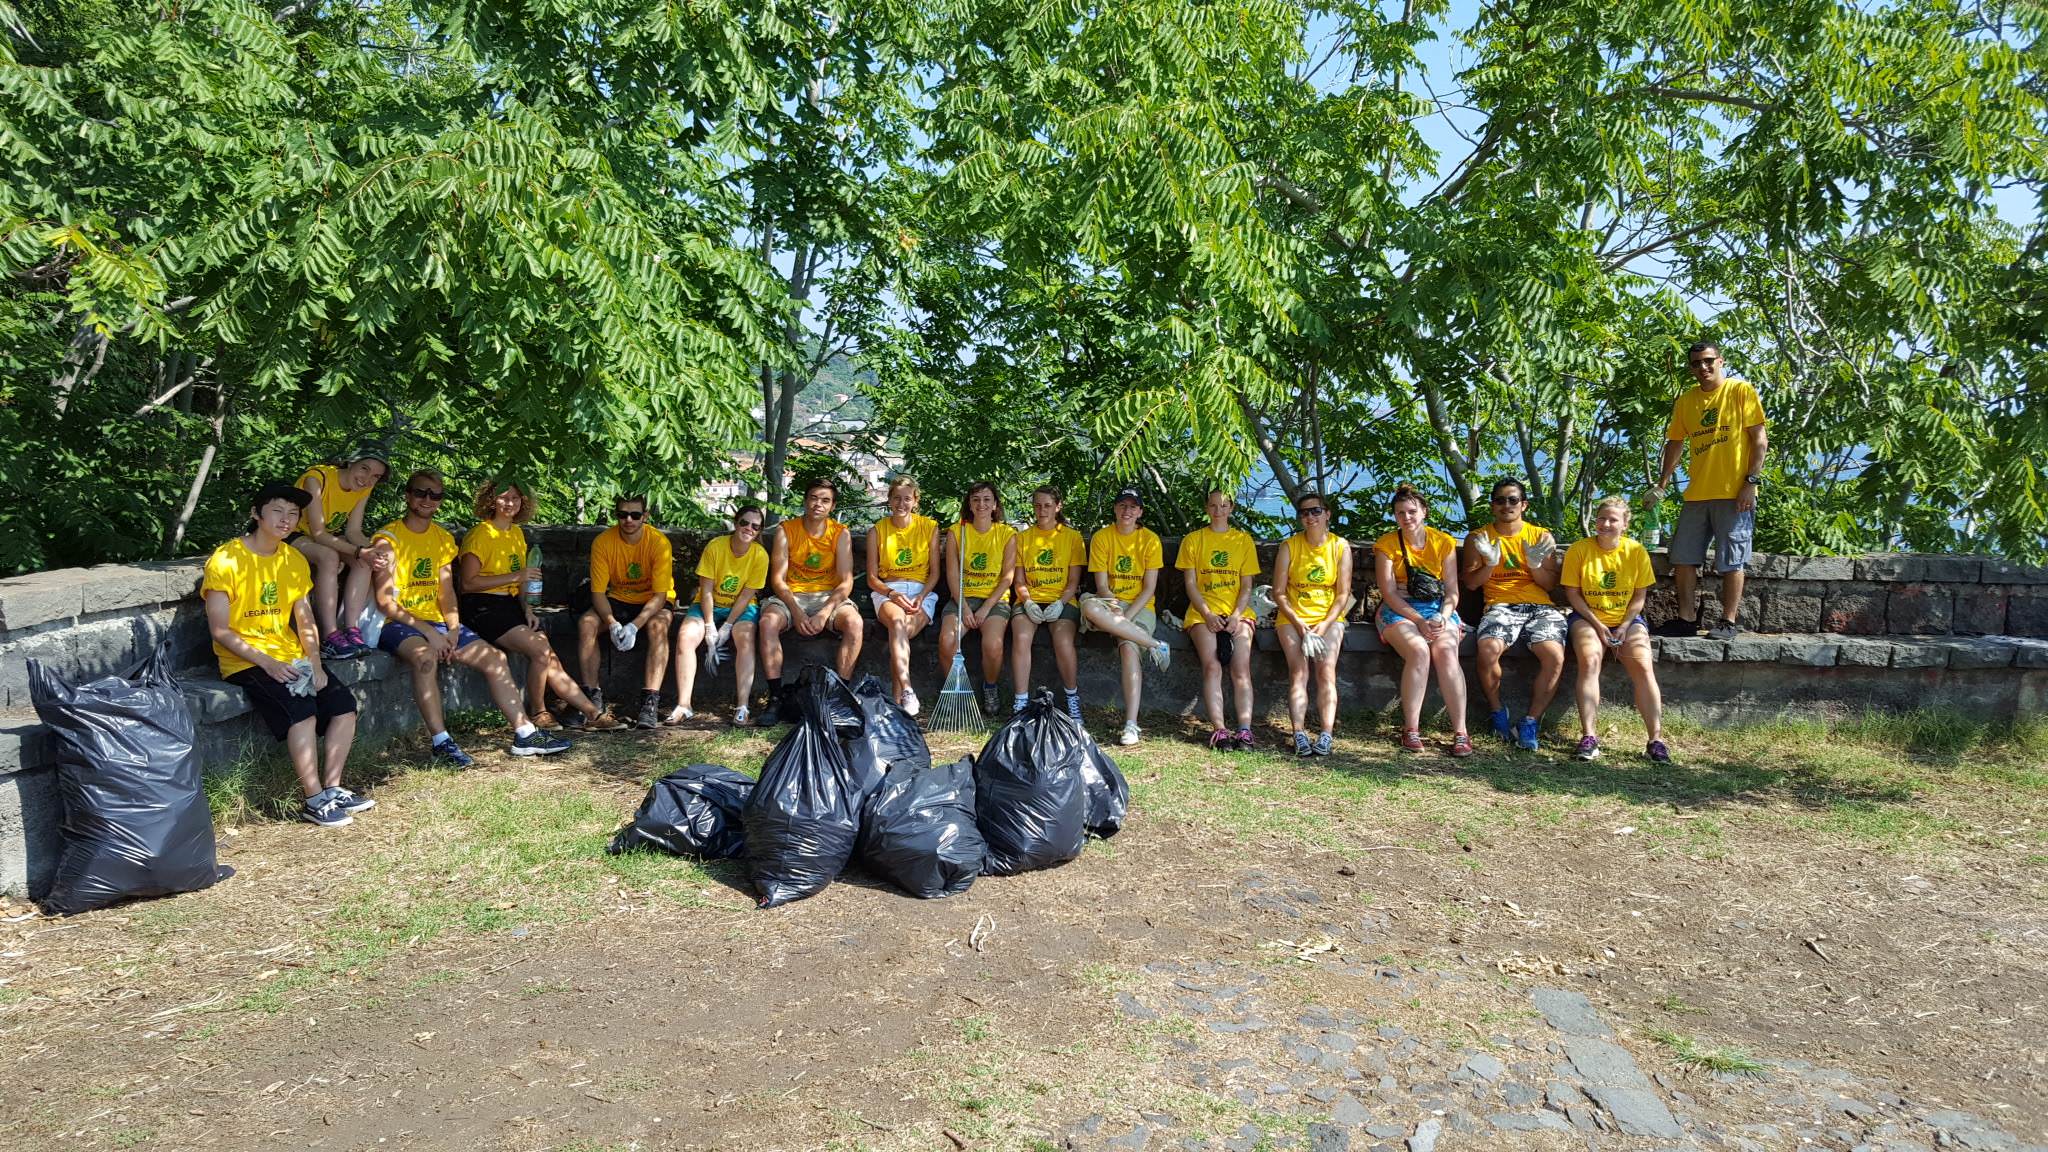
x=1722 y=422
x=1516 y=562
x=423 y=628
x=632 y=576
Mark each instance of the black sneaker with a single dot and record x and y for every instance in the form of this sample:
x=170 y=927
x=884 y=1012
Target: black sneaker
x=352 y=803
x=451 y=754
x=650 y=712
x=324 y=809
x=540 y=743
x=1677 y=628
x=771 y=715
x=991 y=701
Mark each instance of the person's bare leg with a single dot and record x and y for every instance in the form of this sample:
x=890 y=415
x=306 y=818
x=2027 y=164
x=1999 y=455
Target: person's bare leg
x=1642 y=676
x=1297 y=676
x=951 y=631
x=302 y=744
x=426 y=682
x=341 y=736
x=1549 y=673
x=896 y=634
x=742 y=662
x=1587 y=647
x=1685 y=580
x=1063 y=655
x=1212 y=672
x=991 y=650
x=326 y=565
x=688 y=635
x=1101 y=619
x=544 y=672
x=850 y=627
x=1131 y=678
x=772 y=624
x=586 y=646
x=1488 y=667
x=656 y=636
x=1450 y=677
x=1731 y=594
x=1404 y=639
x=1326 y=678
x=355 y=589
x=1026 y=630
x=1241 y=671
x=490 y=664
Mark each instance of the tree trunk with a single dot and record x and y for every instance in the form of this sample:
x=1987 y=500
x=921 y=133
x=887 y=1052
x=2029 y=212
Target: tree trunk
x=174 y=536
x=1281 y=472
x=1456 y=463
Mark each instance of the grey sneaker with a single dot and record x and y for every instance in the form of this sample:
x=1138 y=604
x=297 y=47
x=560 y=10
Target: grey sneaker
x=1323 y=743
x=650 y=713
x=1162 y=655
x=1302 y=746
x=539 y=743
x=1723 y=630
x=325 y=809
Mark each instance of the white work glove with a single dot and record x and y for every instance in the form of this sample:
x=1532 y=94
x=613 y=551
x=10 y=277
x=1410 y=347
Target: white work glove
x=714 y=641
x=1542 y=550
x=1261 y=604
x=303 y=686
x=1489 y=548
x=1312 y=644
x=623 y=636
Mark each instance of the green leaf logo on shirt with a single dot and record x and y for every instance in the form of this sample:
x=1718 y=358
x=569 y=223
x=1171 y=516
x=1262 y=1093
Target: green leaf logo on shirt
x=423 y=569
x=978 y=562
x=1317 y=574
x=1710 y=417
x=1509 y=562
x=814 y=560
x=633 y=570
x=268 y=597
x=1219 y=559
x=903 y=557
x=1607 y=581
x=729 y=585
x=514 y=561
x=1123 y=565
x=1045 y=557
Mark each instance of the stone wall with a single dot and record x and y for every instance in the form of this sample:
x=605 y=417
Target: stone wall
x=1830 y=635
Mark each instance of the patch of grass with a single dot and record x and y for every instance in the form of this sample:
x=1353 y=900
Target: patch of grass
x=974 y=1029
x=1712 y=1058
x=1673 y=1004
x=130 y=1137
x=12 y=996
x=256 y=785
x=1106 y=979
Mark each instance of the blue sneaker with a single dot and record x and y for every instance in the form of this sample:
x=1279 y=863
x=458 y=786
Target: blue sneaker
x=1525 y=734
x=352 y=803
x=1503 y=726
x=325 y=809
x=448 y=753
x=539 y=743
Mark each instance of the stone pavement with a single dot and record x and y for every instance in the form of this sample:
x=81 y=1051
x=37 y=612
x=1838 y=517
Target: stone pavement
x=1257 y=1059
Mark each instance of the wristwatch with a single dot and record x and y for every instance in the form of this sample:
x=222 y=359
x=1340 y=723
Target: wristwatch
x=1752 y=479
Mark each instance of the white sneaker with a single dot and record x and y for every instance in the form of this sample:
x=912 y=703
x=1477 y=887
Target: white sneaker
x=678 y=715
x=741 y=716
x=1129 y=736
x=1162 y=655
x=910 y=704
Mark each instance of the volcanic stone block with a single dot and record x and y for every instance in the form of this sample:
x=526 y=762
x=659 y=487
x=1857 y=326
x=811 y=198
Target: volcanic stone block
x=38 y=598
x=1919 y=654
x=2026 y=612
x=1687 y=650
x=1857 y=652
x=1920 y=610
x=2008 y=572
x=1793 y=607
x=1980 y=609
x=1914 y=567
x=1752 y=649
x=1808 y=651
x=1817 y=567
x=1854 y=609
x=1981 y=652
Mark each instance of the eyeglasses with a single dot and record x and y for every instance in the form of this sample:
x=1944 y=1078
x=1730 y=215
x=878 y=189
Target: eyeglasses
x=754 y=524
x=622 y=514
x=1505 y=500
x=1308 y=512
x=425 y=493
x=1705 y=362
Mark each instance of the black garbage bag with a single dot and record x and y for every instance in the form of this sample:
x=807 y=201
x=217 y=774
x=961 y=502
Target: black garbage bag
x=804 y=815
x=1108 y=796
x=917 y=829
x=1028 y=795
x=135 y=819
x=693 y=811
x=889 y=740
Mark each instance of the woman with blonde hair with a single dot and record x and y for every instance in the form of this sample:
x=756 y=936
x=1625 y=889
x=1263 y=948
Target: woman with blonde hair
x=1311 y=594
x=1416 y=568
x=490 y=569
x=1606 y=577
x=903 y=570
x=1049 y=560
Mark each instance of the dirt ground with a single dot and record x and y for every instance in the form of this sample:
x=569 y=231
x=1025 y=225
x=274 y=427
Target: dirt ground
x=437 y=976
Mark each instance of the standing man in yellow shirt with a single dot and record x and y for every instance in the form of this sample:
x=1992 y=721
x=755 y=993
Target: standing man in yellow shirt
x=810 y=589
x=1125 y=560
x=423 y=624
x=632 y=577
x=1723 y=422
x=1515 y=563
x=255 y=589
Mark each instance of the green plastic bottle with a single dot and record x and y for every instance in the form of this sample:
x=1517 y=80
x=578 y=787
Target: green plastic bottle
x=533 y=586
x=1650 y=524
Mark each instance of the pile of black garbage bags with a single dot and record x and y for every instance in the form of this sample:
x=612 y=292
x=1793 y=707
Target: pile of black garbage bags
x=854 y=780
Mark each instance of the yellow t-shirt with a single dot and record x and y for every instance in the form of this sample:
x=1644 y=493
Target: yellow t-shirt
x=981 y=559
x=632 y=573
x=1125 y=560
x=497 y=554
x=419 y=558
x=1043 y=557
x=905 y=553
x=337 y=502
x=1221 y=562
x=1510 y=582
x=730 y=575
x=261 y=591
x=813 y=560
x=1608 y=580
x=1312 y=574
x=1714 y=425
x=1436 y=546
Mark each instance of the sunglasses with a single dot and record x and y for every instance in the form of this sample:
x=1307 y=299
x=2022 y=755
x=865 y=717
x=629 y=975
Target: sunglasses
x=622 y=514
x=754 y=524
x=425 y=493
x=1505 y=500
x=1308 y=512
x=1705 y=362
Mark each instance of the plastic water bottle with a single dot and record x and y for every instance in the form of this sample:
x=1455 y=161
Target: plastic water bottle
x=1651 y=529
x=533 y=586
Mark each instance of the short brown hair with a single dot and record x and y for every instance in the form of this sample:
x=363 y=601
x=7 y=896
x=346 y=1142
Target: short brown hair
x=486 y=506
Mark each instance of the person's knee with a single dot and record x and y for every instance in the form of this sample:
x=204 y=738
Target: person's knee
x=587 y=623
x=421 y=662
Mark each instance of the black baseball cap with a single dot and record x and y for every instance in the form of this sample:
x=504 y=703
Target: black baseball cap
x=279 y=490
x=1130 y=494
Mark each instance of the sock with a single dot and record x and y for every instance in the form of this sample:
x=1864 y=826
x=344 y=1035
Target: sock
x=1074 y=704
x=525 y=730
x=1022 y=699
x=988 y=685
x=443 y=738
x=590 y=690
x=774 y=689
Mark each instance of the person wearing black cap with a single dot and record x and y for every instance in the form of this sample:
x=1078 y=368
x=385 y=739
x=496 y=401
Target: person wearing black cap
x=255 y=590
x=1125 y=560
x=330 y=536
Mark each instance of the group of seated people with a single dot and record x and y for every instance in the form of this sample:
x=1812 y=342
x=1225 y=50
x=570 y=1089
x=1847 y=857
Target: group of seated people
x=288 y=598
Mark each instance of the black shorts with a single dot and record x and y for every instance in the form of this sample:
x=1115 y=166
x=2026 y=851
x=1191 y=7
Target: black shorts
x=280 y=710
x=491 y=616
x=624 y=611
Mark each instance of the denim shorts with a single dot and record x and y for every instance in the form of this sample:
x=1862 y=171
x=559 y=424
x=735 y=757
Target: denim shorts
x=1430 y=609
x=395 y=634
x=718 y=615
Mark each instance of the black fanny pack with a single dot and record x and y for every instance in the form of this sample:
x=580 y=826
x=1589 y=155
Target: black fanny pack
x=1421 y=585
